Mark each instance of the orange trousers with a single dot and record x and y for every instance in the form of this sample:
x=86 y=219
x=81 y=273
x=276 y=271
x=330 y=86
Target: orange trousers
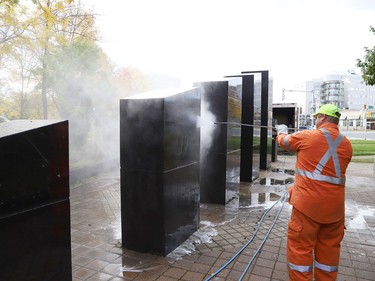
x=313 y=248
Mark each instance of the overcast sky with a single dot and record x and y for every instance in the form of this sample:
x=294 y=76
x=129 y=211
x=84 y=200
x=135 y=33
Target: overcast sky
x=200 y=39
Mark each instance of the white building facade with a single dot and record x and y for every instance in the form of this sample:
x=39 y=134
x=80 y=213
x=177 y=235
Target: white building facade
x=347 y=91
x=358 y=95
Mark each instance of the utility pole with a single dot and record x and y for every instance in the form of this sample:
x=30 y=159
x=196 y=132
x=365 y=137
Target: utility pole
x=365 y=119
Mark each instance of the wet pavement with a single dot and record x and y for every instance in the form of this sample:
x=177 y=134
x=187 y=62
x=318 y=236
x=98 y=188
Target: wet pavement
x=256 y=212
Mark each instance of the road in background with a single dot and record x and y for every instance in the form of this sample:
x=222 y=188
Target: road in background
x=368 y=135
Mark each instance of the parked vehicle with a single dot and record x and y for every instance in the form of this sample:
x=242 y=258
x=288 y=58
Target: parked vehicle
x=302 y=128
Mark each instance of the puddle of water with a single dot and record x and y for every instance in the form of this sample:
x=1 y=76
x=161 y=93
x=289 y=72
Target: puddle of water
x=261 y=192
x=141 y=263
x=204 y=234
x=273 y=181
x=356 y=217
x=286 y=171
x=358 y=222
x=146 y=262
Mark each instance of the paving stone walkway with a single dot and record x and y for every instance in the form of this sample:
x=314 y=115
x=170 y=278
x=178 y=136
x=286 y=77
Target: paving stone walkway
x=224 y=230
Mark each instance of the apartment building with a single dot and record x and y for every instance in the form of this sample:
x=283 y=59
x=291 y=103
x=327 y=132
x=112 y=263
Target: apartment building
x=347 y=91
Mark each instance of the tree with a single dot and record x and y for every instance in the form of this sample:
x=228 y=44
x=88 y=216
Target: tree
x=31 y=32
x=368 y=64
x=15 y=21
x=17 y=61
x=40 y=28
x=80 y=77
x=11 y=26
x=21 y=65
x=60 y=22
x=131 y=81
x=73 y=75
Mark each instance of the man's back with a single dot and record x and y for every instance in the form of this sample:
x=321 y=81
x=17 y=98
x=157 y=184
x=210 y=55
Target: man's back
x=322 y=159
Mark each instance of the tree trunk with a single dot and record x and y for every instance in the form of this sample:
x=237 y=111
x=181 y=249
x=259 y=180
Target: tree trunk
x=44 y=87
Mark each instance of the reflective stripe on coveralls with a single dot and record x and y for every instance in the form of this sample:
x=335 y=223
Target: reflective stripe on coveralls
x=300 y=268
x=324 y=267
x=308 y=268
x=331 y=152
x=286 y=143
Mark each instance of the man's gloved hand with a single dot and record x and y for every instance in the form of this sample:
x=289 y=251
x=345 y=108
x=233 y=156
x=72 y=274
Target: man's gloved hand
x=282 y=129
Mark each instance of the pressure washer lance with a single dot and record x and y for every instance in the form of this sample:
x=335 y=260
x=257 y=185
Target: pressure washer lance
x=248 y=125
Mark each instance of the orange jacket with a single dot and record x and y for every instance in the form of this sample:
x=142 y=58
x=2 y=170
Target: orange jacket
x=319 y=187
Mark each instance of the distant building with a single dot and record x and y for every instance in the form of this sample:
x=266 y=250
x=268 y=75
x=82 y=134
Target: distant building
x=357 y=94
x=332 y=91
x=347 y=91
x=358 y=119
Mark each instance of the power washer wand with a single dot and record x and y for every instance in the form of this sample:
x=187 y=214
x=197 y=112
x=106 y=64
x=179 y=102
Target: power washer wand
x=248 y=125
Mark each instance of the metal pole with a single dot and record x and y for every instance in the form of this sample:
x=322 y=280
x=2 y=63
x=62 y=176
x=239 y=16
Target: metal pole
x=365 y=120
x=246 y=125
x=242 y=124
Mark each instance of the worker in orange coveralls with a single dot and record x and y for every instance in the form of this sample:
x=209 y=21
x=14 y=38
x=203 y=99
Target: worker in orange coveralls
x=316 y=226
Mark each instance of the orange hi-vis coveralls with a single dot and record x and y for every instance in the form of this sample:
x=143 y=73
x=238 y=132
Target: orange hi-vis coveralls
x=316 y=226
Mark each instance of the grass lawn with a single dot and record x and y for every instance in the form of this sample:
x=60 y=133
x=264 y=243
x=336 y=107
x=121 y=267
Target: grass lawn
x=363 y=151
x=363 y=147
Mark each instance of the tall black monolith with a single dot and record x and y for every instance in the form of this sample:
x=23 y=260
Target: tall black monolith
x=220 y=139
x=34 y=201
x=159 y=155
